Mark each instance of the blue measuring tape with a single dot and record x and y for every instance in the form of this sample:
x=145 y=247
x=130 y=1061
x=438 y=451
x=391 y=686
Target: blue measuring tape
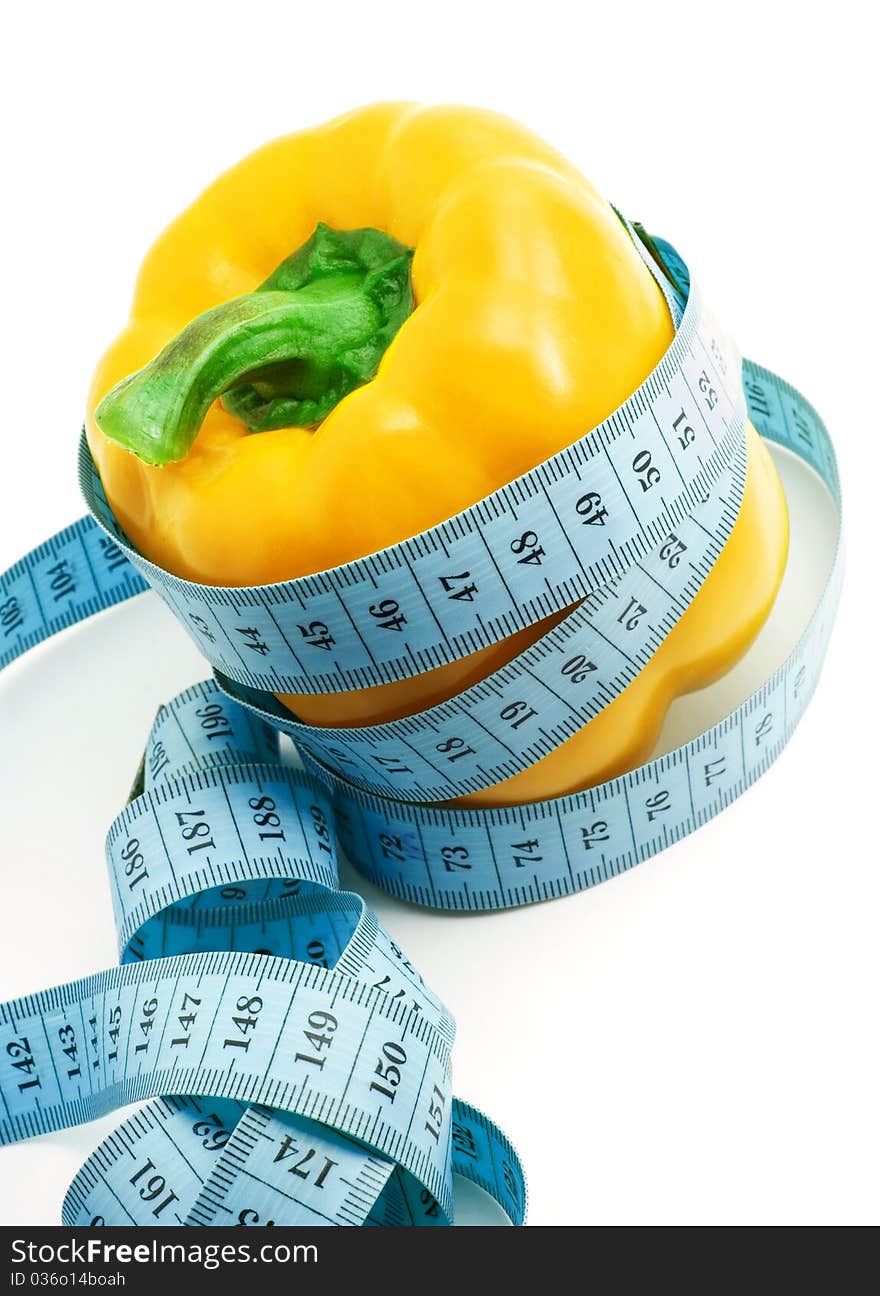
x=302 y=1065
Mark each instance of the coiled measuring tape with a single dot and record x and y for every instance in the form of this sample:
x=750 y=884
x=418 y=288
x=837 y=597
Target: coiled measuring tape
x=302 y=1063
x=626 y=523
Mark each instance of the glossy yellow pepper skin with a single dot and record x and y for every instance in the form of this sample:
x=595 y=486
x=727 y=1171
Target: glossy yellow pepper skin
x=535 y=318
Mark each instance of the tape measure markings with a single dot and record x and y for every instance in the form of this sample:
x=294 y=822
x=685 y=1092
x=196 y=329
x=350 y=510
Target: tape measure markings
x=63 y=584
x=45 y=577
x=212 y=765
x=361 y=949
x=196 y=1154
x=508 y=855
x=513 y=596
x=357 y=1181
x=150 y=818
x=120 y=1145
x=516 y=695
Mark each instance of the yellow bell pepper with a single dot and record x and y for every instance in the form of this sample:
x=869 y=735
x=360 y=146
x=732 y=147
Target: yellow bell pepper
x=533 y=318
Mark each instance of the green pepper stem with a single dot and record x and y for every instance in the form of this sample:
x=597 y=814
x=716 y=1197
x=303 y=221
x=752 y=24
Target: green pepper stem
x=282 y=356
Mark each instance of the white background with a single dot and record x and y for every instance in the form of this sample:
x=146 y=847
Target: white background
x=694 y=1042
